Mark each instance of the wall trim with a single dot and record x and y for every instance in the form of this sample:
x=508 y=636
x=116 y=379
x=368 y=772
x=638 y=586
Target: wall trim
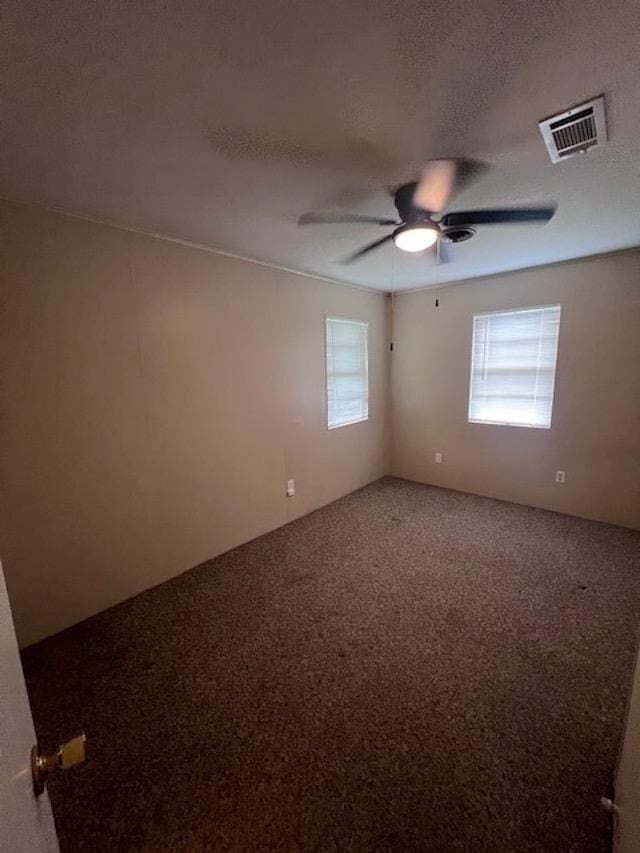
x=581 y=258
x=190 y=244
x=156 y=235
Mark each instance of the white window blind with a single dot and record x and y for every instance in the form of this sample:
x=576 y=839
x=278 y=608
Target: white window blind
x=347 y=372
x=513 y=366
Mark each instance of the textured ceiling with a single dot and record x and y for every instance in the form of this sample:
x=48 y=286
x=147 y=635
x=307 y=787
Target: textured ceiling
x=220 y=122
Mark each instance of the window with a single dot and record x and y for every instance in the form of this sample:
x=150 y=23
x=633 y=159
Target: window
x=347 y=372
x=513 y=366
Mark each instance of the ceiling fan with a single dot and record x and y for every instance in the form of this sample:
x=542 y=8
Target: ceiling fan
x=422 y=222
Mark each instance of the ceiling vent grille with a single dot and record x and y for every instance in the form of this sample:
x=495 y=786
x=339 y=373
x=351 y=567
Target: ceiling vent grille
x=575 y=131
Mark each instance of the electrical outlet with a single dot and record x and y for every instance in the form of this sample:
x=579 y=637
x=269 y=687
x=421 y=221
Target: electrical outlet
x=559 y=476
x=438 y=457
x=291 y=488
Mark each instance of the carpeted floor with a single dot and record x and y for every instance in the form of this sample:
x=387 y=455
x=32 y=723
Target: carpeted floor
x=407 y=669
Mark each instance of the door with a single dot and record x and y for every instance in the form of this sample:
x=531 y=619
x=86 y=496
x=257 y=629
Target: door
x=26 y=821
x=627 y=789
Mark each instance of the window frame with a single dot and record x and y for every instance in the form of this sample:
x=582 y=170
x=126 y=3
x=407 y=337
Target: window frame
x=344 y=319
x=555 y=366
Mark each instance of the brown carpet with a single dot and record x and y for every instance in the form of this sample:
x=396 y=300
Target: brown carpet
x=407 y=669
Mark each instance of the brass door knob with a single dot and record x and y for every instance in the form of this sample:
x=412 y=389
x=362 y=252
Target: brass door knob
x=67 y=755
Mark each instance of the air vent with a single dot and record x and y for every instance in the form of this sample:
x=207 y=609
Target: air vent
x=575 y=131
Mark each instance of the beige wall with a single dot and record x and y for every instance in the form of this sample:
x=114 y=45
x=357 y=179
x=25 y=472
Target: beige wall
x=155 y=399
x=595 y=432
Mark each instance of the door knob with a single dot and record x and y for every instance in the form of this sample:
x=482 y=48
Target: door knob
x=67 y=755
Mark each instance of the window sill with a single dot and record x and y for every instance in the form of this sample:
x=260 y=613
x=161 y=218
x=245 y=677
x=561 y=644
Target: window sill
x=348 y=423
x=509 y=423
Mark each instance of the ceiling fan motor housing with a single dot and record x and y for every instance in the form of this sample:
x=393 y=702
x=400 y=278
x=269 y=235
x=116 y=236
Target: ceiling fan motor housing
x=408 y=212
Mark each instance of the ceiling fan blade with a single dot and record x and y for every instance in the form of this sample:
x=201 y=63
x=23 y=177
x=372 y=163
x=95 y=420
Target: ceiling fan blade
x=499 y=216
x=366 y=249
x=353 y=153
x=329 y=218
x=442 y=179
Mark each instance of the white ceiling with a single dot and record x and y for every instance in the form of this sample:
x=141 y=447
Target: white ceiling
x=220 y=122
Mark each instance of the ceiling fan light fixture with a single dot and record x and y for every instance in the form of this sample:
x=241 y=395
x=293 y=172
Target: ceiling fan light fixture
x=415 y=238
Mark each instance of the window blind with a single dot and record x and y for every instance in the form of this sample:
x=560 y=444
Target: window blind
x=513 y=366
x=347 y=372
